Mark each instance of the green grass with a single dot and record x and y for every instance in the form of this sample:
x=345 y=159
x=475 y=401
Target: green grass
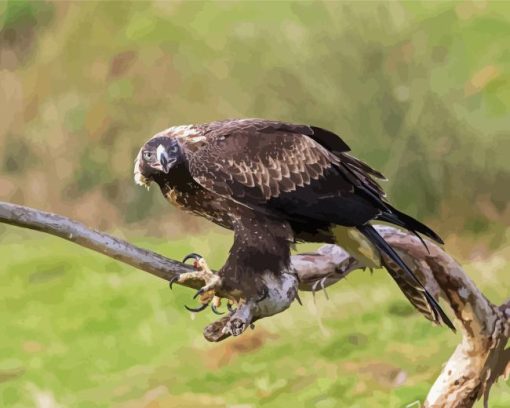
x=81 y=330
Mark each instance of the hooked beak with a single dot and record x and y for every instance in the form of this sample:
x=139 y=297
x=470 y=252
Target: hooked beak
x=163 y=158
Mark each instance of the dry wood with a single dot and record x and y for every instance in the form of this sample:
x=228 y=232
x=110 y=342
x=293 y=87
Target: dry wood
x=478 y=361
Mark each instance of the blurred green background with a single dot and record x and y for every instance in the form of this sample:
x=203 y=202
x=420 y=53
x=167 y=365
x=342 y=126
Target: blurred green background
x=420 y=90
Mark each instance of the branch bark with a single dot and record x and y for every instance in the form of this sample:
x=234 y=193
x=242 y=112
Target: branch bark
x=478 y=361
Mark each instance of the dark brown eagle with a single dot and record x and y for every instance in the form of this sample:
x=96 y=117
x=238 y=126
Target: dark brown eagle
x=274 y=184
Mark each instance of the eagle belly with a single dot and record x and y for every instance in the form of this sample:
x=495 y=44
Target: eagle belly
x=201 y=203
x=181 y=191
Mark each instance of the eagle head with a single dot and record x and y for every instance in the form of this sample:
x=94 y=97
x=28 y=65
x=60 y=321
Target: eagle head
x=156 y=158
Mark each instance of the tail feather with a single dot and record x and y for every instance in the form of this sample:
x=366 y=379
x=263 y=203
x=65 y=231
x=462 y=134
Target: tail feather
x=403 y=220
x=391 y=218
x=415 y=295
x=410 y=278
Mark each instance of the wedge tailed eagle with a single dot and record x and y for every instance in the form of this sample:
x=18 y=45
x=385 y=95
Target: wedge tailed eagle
x=275 y=184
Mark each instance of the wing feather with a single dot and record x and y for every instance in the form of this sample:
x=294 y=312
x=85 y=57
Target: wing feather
x=257 y=160
x=260 y=164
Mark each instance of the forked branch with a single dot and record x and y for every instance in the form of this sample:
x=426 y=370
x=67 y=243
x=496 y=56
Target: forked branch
x=478 y=361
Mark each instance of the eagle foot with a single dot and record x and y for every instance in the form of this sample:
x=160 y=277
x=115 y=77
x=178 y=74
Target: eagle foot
x=207 y=294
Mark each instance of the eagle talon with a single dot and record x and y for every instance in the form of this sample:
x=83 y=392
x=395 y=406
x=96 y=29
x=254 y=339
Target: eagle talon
x=198 y=309
x=172 y=281
x=215 y=304
x=215 y=310
x=206 y=293
x=230 y=308
x=196 y=257
x=199 y=292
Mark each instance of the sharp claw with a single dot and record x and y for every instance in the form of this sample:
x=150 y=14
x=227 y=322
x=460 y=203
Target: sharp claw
x=215 y=311
x=193 y=255
x=299 y=299
x=173 y=280
x=230 y=308
x=198 y=309
x=199 y=292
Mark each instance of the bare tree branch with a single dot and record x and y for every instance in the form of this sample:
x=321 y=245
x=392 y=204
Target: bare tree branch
x=478 y=361
x=78 y=233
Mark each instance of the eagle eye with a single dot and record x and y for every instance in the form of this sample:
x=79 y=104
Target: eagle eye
x=148 y=155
